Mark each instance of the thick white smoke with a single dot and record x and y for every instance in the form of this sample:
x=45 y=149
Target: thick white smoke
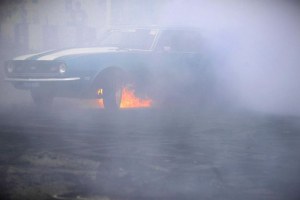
x=256 y=48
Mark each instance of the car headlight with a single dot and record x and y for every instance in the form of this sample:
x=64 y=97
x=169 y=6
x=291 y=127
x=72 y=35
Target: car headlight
x=62 y=68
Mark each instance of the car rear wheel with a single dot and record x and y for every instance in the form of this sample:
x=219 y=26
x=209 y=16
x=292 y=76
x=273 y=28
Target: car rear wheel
x=42 y=98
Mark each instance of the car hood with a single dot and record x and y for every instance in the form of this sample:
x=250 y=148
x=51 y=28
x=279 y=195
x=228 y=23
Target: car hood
x=57 y=54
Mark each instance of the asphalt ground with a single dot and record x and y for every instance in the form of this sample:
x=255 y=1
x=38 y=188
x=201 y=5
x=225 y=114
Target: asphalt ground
x=73 y=152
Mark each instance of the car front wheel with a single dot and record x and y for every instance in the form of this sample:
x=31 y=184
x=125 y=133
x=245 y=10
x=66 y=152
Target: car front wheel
x=111 y=81
x=112 y=97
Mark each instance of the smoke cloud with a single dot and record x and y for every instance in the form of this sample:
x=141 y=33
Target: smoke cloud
x=255 y=49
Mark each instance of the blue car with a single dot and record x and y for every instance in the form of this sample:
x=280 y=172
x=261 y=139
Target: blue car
x=164 y=64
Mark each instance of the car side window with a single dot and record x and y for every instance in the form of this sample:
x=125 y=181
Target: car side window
x=179 y=41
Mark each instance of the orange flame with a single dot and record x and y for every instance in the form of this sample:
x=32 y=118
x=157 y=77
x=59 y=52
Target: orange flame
x=100 y=103
x=129 y=100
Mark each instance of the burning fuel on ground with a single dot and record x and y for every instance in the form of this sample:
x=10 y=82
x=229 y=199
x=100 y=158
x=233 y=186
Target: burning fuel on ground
x=130 y=100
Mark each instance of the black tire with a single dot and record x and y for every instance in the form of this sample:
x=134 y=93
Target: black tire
x=112 y=98
x=42 y=99
x=111 y=82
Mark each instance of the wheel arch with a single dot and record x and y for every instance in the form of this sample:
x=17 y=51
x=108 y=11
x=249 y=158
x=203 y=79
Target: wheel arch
x=103 y=74
x=137 y=74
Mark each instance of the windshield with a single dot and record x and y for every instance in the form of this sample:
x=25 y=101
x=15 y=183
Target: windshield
x=130 y=39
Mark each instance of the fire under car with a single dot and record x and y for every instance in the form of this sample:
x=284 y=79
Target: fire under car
x=164 y=65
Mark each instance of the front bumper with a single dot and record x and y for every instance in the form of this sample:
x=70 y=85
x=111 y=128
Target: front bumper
x=60 y=87
x=42 y=79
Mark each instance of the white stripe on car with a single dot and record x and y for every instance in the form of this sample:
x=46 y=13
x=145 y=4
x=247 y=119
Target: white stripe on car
x=24 y=57
x=70 y=52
